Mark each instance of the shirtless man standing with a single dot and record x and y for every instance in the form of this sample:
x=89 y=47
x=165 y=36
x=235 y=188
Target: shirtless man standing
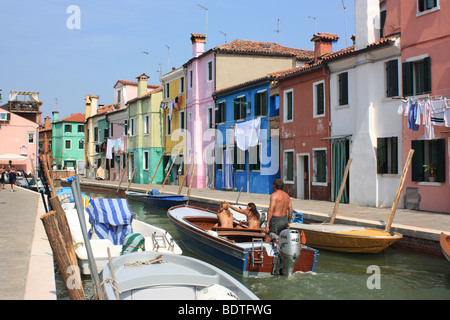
x=280 y=210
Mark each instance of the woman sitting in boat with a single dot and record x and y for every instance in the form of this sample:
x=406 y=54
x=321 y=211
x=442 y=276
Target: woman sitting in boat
x=225 y=216
x=253 y=218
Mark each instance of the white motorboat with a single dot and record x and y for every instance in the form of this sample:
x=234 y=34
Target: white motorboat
x=104 y=236
x=155 y=276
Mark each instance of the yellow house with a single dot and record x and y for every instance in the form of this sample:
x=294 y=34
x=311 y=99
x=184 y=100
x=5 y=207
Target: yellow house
x=174 y=102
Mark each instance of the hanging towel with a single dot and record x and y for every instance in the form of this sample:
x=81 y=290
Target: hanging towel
x=227 y=172
x=412 y=116
x=246 y=134
x=109 y=148
x=437 y=112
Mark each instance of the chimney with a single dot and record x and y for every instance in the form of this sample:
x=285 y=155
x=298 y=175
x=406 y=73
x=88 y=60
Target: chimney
x=47 y=124
x=198 y=44
x=323 y=43
x=142 y=85
x=367 y=21
x=91 y=105
x=55 y=115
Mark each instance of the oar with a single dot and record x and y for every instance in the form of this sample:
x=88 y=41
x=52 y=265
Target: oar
x=399 y=191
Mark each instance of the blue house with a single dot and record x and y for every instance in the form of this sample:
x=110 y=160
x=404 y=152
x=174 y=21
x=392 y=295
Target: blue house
x=247 y=138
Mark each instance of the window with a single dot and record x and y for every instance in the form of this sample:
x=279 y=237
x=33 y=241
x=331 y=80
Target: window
x=288 y=104
x=191 y=79
x=67 y=128
x=343 y=88
x=181 y=84
x=80 y=128
x=167 y=90
x=209 y=71
x=168 y=129
x=424 y=5
x=219 y=156
x=239 y=108
x=417 y=77
x=145 y=160
x=261 y=102
x=146 y=124
x=124 y=160
x=254 y=155
x=288 y=166
x=68 y=144
x=220 y=112
x=95 y=134
x=125 y=127
x=182 y=121
x=387 y=155
x=80 y=144
x=132 y=126
x=392 y=78
x=428 y=152
x=319 y=167
x=31 y=138
x=106 y=133
x=210 y=118
x=319 y=99
x=239 y=159
x=118 y=96
x=111 y=130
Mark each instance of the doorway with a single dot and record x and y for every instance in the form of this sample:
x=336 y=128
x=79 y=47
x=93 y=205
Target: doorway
x=303 y=176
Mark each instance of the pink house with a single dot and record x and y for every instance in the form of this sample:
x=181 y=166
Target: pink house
x=18 y=140
x=425 y=45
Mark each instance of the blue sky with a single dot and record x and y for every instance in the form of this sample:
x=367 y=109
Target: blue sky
x=40 y=53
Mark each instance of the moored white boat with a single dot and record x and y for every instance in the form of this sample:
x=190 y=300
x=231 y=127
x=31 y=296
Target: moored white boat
x=154 y=238
x=155 y=276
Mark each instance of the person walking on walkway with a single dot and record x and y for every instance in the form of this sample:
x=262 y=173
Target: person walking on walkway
x=280 y=210
x=2 y=177
x=12 y=177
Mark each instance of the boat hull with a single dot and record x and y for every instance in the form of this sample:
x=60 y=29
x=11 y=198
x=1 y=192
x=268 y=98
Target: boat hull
x=238 y=256
x=135 y=196
x=344 y=239
x=445 y=245
x=164 y=202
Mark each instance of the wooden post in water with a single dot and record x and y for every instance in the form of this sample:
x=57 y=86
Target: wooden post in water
x=341 y=191
x=399 y=191
x=132 y=176
x=64 y=263
x=121 y=178
x=154 y=173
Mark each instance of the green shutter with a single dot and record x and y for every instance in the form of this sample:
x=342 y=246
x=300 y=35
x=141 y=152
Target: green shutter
x=320 y=99
x=440 y=163
x=258 y=106
x=264 y=109
x=394 y=155
x=236 y=109
x=427 y=74
x=407 y=70
x=382 y=155
x=417 y=169
x=392 y=78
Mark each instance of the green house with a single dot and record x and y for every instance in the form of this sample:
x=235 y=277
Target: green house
x=68 y=140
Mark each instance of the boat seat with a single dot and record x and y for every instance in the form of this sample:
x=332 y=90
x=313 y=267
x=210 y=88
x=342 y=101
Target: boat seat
x=236 y=233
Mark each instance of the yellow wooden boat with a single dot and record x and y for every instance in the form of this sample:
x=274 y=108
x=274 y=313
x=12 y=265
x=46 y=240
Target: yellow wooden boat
x=346 y=238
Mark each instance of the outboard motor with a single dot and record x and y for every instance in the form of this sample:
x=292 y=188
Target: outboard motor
x=289 y=247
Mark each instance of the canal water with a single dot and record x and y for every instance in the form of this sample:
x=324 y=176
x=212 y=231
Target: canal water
x=390 y=275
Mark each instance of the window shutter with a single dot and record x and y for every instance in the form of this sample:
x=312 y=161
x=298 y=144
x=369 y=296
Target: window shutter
x=427 y=74
x=381 y=155
x=440 y=165
x=320 y=99
x=258 y=106
x=236 y=109
x=394 y=156
x=417 y=161
x=264 y=109
x=392 y=78
x=407 y=70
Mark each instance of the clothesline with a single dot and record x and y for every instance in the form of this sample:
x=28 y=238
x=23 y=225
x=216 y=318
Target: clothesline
x=428 y=111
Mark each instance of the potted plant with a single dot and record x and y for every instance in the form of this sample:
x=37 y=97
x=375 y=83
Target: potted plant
x=430 y=171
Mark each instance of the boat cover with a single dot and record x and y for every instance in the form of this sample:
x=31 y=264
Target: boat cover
x=110 y=219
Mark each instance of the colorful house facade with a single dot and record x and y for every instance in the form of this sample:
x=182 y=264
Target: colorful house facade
x=243 y=111
x=425 y=33
x=218 y=68
x=68 y=140
x=305 y=125
x=174 y=103
x=145 y=141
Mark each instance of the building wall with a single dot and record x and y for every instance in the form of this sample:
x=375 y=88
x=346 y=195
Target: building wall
x=61 y=154
x=306 y=132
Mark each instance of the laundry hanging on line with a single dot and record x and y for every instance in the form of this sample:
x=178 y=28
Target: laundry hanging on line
x=246 y=134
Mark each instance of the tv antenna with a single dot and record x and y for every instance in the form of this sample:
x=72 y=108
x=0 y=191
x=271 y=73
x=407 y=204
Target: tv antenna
x=146 y=60
x=206 y=33
x=313 y=18
x=345 y=18
x=168 y=58
x=224 y=35
x=278 y=30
